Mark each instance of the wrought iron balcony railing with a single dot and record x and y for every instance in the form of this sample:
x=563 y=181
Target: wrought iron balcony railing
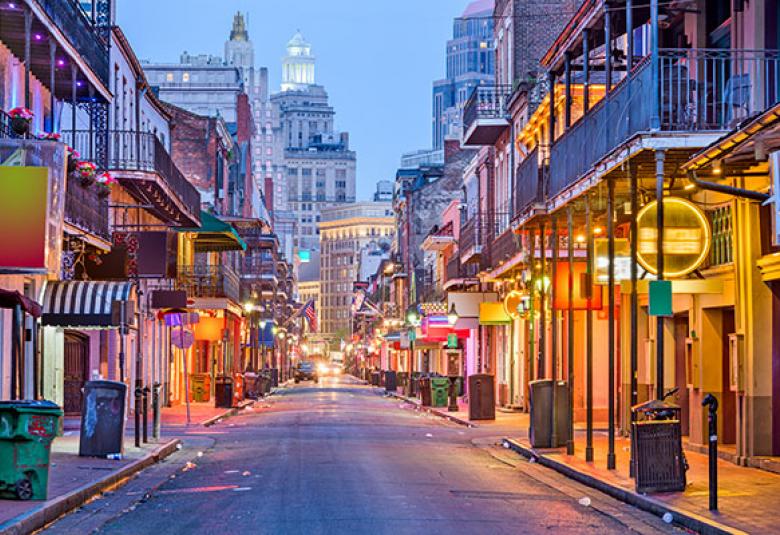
x=86 y=210
x=5 y=126
x=486 y=104
x=209 y=281
x=530 y=184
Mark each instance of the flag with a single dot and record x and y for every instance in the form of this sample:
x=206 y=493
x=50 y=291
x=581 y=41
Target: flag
x=310 y=313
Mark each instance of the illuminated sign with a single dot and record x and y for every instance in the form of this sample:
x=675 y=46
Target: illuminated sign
x=686 y=237
x=622 y=260
x=512 y=302
x=24 y=194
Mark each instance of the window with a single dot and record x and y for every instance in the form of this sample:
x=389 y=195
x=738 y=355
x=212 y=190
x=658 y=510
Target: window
x=341 y=173
x=169 y=77
x=341 y=183
x=185 y=77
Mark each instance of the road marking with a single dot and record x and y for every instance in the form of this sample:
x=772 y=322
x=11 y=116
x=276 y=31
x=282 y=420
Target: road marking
x=194 y=490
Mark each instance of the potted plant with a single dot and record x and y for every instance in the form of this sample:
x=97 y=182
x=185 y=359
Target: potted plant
x=73 y=158
x=86 y=171
x=104 y=184
x=20 y=120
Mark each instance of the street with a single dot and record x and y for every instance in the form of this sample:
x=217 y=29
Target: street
x=339 y=457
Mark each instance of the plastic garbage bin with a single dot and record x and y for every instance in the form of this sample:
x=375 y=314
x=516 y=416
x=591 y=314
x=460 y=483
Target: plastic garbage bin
x=27 y=429
x=223 y=391
x=439 y=391
x=102 y=418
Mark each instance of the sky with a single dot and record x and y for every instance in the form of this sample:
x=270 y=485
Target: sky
x=376 y=58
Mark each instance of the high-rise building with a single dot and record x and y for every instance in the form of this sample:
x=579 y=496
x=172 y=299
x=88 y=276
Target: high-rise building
x=346 y=231
x=319 y=166
x=470 y=62
x=384 y=191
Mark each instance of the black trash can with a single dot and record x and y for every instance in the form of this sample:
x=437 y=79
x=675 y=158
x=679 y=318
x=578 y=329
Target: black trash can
x=274 y=377
x=401 y=379
x=541 y=403
x=482 y=399
x=223 y=391
x=390 y=381
x=102 y=419
x=375 y=378
x=251 y=385
x=656 y=440
x=424 y=385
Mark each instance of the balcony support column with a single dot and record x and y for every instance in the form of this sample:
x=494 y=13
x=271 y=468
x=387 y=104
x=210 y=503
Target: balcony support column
x=634 y=340
x=570 y=327
x=27 y=55
x=629 y=36
x=589 y=335
x=567 y=74
x=52 y=82
x=608 y=47
x=551 y=126
x=611 y=327
x=554 y=329
x=655 y=119
x=531 y=315
x=73 y=100
x=660 y=157
x=542 y=368
x=586 y=70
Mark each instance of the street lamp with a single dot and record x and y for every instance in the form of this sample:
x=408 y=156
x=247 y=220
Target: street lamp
x=412 y=316
x=413 y=319
x=452 y=316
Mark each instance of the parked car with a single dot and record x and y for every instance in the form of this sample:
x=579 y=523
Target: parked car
x=305 y=371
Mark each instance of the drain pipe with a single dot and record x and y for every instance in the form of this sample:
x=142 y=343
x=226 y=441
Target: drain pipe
x=729 y=190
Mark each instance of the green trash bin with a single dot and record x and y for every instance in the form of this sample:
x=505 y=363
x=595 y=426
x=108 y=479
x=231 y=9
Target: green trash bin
x=440 y=391
x=27 y=429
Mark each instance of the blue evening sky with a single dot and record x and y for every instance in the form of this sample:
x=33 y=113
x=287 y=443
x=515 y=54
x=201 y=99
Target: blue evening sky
x=376 y=58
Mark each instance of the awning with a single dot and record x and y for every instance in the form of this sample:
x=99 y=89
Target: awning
x=215 y=235
x=83 y=303
x=12 y=299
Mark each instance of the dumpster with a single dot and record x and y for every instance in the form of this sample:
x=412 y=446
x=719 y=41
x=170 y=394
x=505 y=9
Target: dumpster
x=201 y=386
x=102 y=419
x=656 y=439
x=223 y=391
x=440 y=391
x=424 y=388
x=482 y=402
x=27 y=429
x=541 y=403
x=390 y=381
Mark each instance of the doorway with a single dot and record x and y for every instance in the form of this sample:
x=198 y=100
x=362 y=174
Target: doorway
x=728 y=404
x=681 y=334
x=76 y=369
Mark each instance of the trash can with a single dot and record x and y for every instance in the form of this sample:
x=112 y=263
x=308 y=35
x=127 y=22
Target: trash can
x=390 y=381
x=482 y=399
x=238 y=389
x=274 y=377
x=27 y=429
x=102 y=418
x=439 y=391
x=223 y=391
x=414 y=383
x=656 y=439
x=264 y=378
x=401 y=379
x=201 y=386
x=251 y=385
x=541 y=403
x=374 y=378
x=424 y=388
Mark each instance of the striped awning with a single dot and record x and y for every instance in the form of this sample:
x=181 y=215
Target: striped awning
x=83 y=303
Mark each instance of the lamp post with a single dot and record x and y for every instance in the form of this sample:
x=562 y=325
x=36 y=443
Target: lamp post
x=412 y=320
x=452 y=316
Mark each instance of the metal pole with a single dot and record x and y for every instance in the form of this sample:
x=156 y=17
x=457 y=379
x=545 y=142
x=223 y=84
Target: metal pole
x=570 y=329
x=655 y=118
x=611 y=327
x=542 y=369
x=589 y=336
x=52 y=84
x=532 y=311
x=711 y=402
x=551 y=89
x=634 y=339
x=608 y=48
x=73 y=100
x=186 y=374
x=567 y=77
x=586 y=69
x=554 y=332
x=659 y=335
x=139 y=392
x=122 y=339
x=629 y=36
x=27 y=55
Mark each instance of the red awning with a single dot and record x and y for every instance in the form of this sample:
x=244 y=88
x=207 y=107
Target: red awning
x=12 y=299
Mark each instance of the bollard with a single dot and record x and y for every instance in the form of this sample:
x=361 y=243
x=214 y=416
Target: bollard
x=145 y=409
x=156 y=410
x=712 y=403
x=138 y=393
x=453 y=395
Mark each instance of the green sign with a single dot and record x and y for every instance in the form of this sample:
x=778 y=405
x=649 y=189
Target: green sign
x=660 y=296
x=452 y=341
x=412 y=335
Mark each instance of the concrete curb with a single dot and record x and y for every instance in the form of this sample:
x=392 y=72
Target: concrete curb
x=431 y=410
x=685 y=518
x=56 y=507
x=228 y=413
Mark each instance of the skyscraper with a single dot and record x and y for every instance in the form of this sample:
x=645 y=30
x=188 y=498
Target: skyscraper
x=470 y=62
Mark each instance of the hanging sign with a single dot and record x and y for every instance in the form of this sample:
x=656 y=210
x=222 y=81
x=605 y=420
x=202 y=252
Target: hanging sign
x=452 y=341
x=512 y=302
x=687 y=237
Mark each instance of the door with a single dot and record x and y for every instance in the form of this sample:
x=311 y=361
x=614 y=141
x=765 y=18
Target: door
x=681 y=369
x=76 y=367
x=728 y=403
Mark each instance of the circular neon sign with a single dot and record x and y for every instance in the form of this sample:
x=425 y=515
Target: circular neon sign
x=687 y=237
x=511 y=303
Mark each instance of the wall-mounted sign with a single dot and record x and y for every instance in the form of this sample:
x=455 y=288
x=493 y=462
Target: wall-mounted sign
x=24 y=205
x=687 y=237
x=622 y=260
x=512 y=302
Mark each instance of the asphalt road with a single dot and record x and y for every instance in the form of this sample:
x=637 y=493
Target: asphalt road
x=339 y=457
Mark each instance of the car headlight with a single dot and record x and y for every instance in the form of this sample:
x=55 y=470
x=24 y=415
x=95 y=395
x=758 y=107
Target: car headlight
x=322 y=368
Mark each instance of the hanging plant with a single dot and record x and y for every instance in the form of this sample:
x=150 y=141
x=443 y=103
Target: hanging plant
x=86 y=172
x=73 y=158
x=104 y=184
x=20 y=120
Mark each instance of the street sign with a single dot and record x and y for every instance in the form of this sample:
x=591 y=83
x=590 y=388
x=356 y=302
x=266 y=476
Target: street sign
x=452 y=341
x=660 y=297
x=412 y=335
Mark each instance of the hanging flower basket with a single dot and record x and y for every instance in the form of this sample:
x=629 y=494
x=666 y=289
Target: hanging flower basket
x=73 y=159
x=104 y=184
x=20 y=120
x=86 y=172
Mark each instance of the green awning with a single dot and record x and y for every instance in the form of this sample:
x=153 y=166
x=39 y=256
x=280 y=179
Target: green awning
x=215 y=235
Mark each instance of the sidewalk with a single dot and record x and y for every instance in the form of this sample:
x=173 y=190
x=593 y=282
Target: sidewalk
x=74 y=480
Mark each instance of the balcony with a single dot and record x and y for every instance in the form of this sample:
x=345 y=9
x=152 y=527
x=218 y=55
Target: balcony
x=530 y=184
x=503 y=247
x=5 y=127
x=145 y=169
x=86 y=211
x=476 y=235
x=457 y=272
x=209 y=282
x=439 y=239
x=703 y=93
x=485 y=114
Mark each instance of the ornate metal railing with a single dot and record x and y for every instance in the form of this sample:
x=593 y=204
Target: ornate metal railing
x=5 y=126
x=86 y=210
x=529 y=183
x=486 y=102
x=208 y=281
